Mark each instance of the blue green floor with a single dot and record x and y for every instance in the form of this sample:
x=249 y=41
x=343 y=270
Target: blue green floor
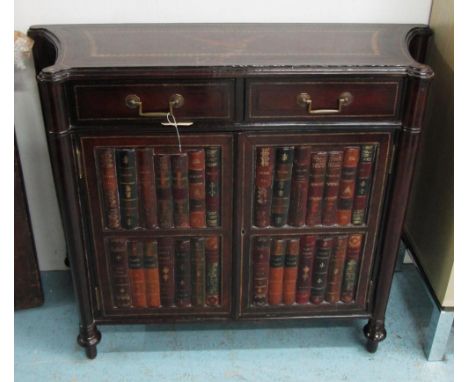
x=46 y=350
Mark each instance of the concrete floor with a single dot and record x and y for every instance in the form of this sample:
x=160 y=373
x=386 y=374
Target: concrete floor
x=46 y=350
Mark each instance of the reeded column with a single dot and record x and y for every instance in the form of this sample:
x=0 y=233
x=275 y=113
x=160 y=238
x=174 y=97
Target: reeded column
x=419 y=79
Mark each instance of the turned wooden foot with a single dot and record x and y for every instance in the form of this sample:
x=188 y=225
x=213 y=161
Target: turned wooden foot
x=375 y=332
x=91 y=352
x=88 y=338
x=372 y=346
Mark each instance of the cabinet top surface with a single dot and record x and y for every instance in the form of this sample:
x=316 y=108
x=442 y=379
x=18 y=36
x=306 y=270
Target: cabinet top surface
x=229 y=45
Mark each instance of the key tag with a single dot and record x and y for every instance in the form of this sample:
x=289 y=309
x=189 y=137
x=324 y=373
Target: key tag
x=173 y=122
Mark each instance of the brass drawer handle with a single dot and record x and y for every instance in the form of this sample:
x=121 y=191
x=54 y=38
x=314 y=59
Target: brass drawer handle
x=175 y=101
x=345 y=99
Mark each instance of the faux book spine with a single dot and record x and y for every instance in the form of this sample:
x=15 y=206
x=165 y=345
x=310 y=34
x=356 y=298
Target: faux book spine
x=212 y=271
x=282 y=186
x=347 y=185
x=147 y=188
x=119 y=273
x=166 y=249
x=196 y=164
x=180 y=189
x=128 y=192
x=318 y=165
x=162 y=164
x=109 y=188
x=261 y=269
x=363 y=184
x=137 y=273
x=290 y=271
x=275 y=290
x=321 y=263
x=332 y=183
x=305 y=268
x=183 y=284
x=335 y=274
x=150 y=262
x=198 y=267
x=263 y=185
x=351 y=268
x=299 y=184
x=212 y=180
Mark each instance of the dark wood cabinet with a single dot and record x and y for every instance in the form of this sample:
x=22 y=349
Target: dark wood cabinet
x=223 y=223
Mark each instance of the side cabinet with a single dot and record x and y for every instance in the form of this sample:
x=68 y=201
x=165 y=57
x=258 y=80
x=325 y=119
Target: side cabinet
x=232 y=172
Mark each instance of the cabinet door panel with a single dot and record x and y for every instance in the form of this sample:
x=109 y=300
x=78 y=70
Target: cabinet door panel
x=310 y=213
x=161 y=223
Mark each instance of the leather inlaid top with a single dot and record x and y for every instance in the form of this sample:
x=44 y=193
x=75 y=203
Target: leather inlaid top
x=232 y=45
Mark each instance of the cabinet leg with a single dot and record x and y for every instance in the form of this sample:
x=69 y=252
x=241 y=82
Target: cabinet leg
x=88 y=338
x=374 y=332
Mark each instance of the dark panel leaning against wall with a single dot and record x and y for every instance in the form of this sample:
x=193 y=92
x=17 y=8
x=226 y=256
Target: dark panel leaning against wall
x=28 y=289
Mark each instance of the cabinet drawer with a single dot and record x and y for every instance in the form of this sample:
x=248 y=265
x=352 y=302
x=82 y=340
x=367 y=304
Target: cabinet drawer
x=204 y=100
x=316 y=100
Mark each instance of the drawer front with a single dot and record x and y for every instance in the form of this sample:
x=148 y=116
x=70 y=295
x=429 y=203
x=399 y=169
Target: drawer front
x=309 y=225
x=161 y=225
x=205 y=100
x=315 y=100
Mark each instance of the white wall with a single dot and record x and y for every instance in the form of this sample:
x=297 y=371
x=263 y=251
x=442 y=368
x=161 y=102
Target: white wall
x=28 y=123
x=32 y=147
x=149 y=11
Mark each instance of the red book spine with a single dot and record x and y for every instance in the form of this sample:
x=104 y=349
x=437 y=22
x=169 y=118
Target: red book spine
x=261 y=269
x=183 y=283
x=213 y=163
x=212 y=271
x=119 y=273
x=347 y=185
x=351 y=268
x=166 y=251
x=137 y=273
x=197 y=194
x=299 y=185
x=305 y=268
x=128 y=187
x=321 y=263
x=263 y=185
x=150 y=262
x=282 y=186
x=162 y=163
x=198 y=271
x=318 y=165
x=335 y=273
x=147 y=188
x=109 y=188
x=332 y=184
x=290 y=271
x=180 y=190
x=363 y=184
x=275 y=289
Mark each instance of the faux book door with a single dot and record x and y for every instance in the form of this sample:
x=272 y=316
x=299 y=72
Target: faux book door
x=161 y=223
x=309 y=211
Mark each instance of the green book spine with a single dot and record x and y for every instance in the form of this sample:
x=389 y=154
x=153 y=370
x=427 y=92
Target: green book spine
x=282 y=186
x=128 y=188
x=198 y=271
